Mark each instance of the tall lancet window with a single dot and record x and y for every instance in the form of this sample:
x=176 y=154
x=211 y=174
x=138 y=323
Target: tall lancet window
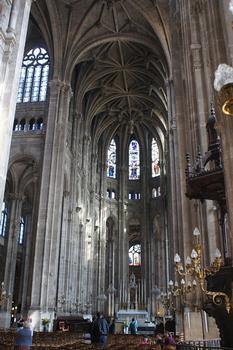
x=155 y=158
x=21 y=230
x=3 y=220
x=134 y=160
x=33 y=82
x=111 y=171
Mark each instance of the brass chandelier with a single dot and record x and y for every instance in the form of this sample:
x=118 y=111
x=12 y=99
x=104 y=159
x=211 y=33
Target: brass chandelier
x=194 y=268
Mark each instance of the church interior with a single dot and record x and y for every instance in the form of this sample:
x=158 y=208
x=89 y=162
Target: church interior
x=116 y=163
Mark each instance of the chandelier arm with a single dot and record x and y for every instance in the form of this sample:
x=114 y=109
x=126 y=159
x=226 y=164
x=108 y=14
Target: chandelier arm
x=186 y=273
x=215 y=295
x=181 y=273
x=221 y=295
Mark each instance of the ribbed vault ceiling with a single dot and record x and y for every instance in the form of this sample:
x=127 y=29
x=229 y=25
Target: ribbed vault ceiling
x=123 y=81
x=118 y=61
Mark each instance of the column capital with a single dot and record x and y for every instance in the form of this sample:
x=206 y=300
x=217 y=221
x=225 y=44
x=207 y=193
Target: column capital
x=57 y=85
x=16 y=196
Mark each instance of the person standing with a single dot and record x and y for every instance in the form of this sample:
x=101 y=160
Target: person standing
x=112 y=327
x=133 y=326
x=24 y=337
x=101 y=329
x=94 y=331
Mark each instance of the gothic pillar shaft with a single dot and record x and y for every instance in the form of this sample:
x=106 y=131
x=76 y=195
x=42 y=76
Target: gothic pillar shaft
x=27 y=247
x=13 y=15
x=11 y=55
x=12 y=244
x=123 y=241
x=49 y=220
x=63 y=253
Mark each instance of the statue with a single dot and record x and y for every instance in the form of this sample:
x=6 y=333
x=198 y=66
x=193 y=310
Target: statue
x=132 y=281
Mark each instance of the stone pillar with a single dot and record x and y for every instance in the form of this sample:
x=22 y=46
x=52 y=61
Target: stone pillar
x=11 y=255
x=44 y=285
x=123 y=243
x=227 y=22
x=27 y=245
x=13 y=29
x=63 y=257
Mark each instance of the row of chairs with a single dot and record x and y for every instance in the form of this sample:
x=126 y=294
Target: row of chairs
x=75 y=341
x=41 y=340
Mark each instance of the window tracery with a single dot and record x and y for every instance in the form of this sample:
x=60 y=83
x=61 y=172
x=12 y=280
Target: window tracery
x=33 y=82
x=111 y=161
x=134 y=160
x=155 y=158
x=135 y=255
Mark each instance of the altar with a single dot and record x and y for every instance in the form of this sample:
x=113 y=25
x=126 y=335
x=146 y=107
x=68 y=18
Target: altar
x=144 y=325
x=128 y=314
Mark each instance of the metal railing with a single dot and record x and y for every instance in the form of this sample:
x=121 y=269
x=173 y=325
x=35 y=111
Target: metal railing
x=212 y=344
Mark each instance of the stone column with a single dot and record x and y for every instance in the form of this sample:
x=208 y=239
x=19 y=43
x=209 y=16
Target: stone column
x=11 y=255
x=226 y=19
x=13 y=29
x=122 y=258
x=44 y=285
x=80 y=266
x=27 y=245
x=62 y=289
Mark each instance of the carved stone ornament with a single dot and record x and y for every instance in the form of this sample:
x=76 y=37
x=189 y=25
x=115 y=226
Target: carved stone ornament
x=223 y=76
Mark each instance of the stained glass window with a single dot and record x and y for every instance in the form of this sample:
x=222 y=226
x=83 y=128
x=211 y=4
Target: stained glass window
x=155 y=158
x=33 y=82
x=135 y=255
x=134 y=160
x=3 y=220
x=111 y=161
x=21 y=230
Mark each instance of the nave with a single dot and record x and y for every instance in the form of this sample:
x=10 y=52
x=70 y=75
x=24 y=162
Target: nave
x=116 y=164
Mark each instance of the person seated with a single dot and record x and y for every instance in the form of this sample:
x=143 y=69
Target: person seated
x=169 y=342
x=158 y=341
x=145 y=341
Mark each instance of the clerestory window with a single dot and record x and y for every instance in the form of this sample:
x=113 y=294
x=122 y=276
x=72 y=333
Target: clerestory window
x=134 y=160
x=34 y=76
x=155 y=158
x=21 y=230
x=3 y=220
x=111 y=160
